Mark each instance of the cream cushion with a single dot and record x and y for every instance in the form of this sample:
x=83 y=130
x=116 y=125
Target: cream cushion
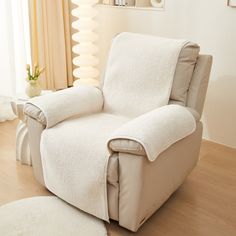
x=47 y=216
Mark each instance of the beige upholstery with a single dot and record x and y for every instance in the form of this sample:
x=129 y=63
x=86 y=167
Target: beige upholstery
x=146 y=186
x=35 y=131
x=199 y=83
x=36 y=113
x=133 y=147
x=127 y=146
x=137 y=187
x=145 y=74
x=183 y=74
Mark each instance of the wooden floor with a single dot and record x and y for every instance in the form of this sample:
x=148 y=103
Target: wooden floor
x=205 y=205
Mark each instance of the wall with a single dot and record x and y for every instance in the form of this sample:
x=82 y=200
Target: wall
x=209 y=23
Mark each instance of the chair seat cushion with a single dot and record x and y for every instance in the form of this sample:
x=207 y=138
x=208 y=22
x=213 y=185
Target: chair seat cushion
x=94 y=128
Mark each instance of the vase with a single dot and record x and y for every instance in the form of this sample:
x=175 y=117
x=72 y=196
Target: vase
x=157 y=3
x=33 y=89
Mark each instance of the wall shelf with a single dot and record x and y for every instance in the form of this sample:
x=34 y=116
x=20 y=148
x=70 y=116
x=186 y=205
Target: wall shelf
x=137 y=5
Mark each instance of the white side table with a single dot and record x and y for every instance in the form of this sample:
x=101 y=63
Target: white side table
x=22 y=142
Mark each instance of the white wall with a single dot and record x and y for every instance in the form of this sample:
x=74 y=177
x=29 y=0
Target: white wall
x=209 y=23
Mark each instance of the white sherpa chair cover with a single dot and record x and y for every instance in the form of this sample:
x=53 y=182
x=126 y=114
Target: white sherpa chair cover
x=74 y=151
x=140 y=73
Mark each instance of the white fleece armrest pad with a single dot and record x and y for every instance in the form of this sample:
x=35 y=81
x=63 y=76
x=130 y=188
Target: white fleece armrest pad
x=158 y=129
x=66 y=103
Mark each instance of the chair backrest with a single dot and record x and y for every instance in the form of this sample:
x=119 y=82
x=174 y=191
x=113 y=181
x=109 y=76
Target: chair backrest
x=187 y=88
x=199 y=83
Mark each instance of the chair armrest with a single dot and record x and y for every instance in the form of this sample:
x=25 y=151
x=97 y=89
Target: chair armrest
x=152 y=133
x=35 y=113
x=127 y=146
x=55 y=107
x=133 y=147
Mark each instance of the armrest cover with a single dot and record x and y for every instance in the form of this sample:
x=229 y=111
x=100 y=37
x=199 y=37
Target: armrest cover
x=55 y=107
x=155 y=131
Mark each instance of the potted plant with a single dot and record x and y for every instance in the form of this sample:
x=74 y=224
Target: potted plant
x=33 y=87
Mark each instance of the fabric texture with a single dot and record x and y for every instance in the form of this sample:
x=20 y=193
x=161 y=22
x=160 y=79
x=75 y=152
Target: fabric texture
x=50 y=26
x=145 y=186
x=35 y=113
x=127 y=146
x=158 y=129
x=75 y=159
x=137 y=195
x=64 y=104
x=184 y=72
x=47 y=216
x=140 y=73
x=74 y=152
x=134 y=147
x=199 y=83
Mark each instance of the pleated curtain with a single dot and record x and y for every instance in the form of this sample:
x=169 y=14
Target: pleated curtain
x=50 y=28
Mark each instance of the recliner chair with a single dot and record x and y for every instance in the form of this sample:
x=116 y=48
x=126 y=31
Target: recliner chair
x=136 y=187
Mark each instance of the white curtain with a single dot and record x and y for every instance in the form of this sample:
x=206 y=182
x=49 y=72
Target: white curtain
x=14 y=51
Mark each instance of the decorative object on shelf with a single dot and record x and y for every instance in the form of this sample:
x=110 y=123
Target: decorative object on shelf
x=86 y=61
x=107 y=2
x=231 y=3
x=124 y=2
x=157 y=3
x=129 y=2
x=134 y=4
x=33 y=87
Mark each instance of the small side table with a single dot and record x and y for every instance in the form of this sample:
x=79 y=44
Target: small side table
x=22 y=143
x=22 y=140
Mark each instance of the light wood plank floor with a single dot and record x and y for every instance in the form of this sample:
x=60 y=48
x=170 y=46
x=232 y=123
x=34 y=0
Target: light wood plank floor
x=205 y=205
